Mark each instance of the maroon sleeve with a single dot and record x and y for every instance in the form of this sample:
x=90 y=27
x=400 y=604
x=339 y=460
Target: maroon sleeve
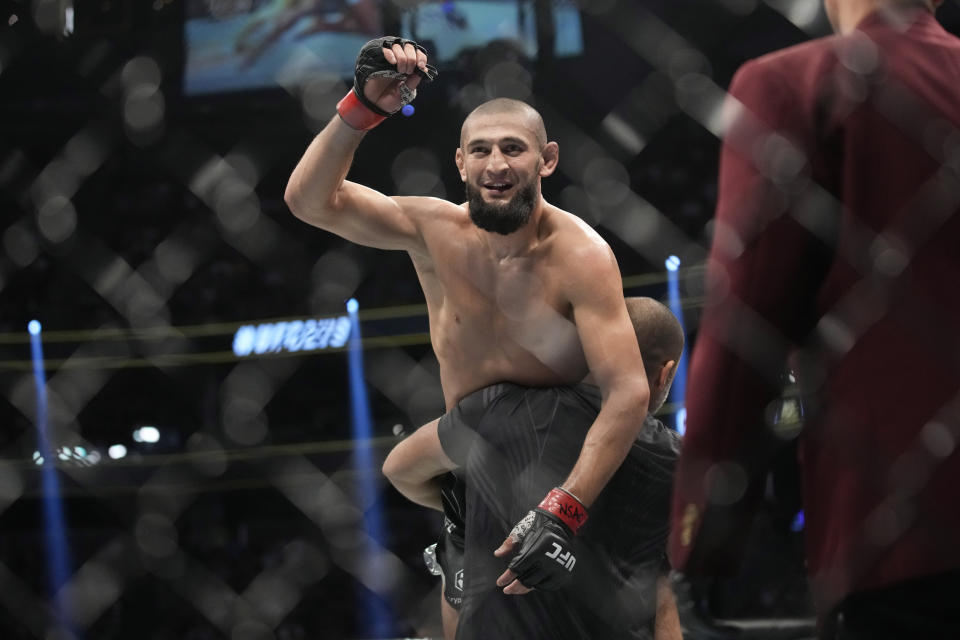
x=763 y=269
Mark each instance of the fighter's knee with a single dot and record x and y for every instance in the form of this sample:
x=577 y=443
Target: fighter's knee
x=397 y=464
x=390 y=467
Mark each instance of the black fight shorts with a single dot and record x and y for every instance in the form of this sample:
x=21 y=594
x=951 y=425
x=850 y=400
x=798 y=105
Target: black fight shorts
x=514 y=444
x=449 y=548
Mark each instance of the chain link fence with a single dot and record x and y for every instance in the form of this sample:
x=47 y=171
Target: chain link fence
x=144 y=227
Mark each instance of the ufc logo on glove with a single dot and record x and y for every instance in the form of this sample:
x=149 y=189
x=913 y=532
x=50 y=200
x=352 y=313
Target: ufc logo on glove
x=547 y=531
x=567 y=560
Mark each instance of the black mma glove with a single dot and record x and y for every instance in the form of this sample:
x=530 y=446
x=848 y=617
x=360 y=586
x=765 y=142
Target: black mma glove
x=546 y=558
x=355 y=108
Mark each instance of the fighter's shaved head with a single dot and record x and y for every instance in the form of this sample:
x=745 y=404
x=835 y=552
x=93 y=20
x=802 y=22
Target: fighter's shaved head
x=660 y=337
x=526 y=116
x=659 y=333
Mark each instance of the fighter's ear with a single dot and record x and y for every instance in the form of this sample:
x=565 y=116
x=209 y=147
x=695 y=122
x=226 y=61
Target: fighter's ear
x=549 y=156
x=665 y=377
x=458 y=158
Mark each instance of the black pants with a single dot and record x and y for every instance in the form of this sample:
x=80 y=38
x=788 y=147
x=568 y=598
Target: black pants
x=925 y=608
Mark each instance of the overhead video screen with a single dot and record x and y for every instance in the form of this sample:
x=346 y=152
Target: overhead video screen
x=254 y=44
x=453 y=27
x=250 y=44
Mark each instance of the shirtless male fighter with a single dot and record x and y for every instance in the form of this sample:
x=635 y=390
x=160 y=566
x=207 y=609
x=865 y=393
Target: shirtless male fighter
x=517 y=290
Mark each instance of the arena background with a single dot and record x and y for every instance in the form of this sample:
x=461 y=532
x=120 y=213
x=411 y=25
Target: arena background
x=143 y=227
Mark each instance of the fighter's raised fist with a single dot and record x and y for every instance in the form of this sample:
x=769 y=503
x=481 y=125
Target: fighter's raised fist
x=385 y=78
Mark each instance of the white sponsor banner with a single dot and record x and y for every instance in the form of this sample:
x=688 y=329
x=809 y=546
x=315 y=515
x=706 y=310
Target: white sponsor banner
x=291 y=336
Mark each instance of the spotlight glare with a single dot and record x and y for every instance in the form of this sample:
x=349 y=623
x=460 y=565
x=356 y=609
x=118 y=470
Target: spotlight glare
x=352 y=305
x=672 y=263
x=117 y=451
x=681 y=423
x=33 y=327
x=147 y=433
x=798 y=522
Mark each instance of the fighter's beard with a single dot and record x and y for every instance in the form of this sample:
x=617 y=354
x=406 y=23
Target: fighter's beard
x=502 y=218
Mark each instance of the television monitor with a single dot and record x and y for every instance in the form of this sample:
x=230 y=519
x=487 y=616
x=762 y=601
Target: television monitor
x=254 y=44
x=251 y=44
x=454 y=26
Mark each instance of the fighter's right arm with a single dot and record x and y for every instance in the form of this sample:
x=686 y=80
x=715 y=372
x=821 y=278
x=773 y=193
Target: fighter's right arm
x=319 y=193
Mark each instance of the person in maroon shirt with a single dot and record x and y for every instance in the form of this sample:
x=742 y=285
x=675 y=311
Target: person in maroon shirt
x=836 y=252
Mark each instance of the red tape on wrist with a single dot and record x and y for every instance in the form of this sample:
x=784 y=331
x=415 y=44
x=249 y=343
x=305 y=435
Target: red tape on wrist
x=356 y=114
x=563 y=505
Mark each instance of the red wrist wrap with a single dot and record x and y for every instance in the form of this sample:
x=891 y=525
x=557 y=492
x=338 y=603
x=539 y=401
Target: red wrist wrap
x=566 y=507
x=356 y=114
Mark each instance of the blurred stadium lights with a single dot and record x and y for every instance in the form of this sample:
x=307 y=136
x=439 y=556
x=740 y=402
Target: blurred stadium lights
x=802 y=13
x=75 y=456
x=798 y=522
x=66 y=7
x=117 y=451
x=54 y=525
x=680 y=421
x=376 y=618
x=147 y=433
x=675 y=302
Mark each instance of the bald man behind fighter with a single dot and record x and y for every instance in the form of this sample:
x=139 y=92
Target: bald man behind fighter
x=517 y=290
x=637 y=498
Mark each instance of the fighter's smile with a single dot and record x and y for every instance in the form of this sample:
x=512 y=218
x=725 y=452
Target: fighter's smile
x=498 y=187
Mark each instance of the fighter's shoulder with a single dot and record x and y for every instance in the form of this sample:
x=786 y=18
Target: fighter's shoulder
x=439 y=221
x=576 y=244
x=430 y=208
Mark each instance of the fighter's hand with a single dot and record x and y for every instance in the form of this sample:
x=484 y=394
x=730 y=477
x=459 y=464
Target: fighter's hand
x=385 y=79
x=391 y=92
x=546 y=558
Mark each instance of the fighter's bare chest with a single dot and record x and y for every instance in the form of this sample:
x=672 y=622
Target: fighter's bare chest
x=501 y=291
x=486 y=304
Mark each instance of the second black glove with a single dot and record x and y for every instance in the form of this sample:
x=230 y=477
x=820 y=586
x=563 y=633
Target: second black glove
x=546 y=558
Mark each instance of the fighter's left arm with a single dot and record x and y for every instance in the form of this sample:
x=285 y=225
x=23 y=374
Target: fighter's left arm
x=592 y=280
x=610 y=346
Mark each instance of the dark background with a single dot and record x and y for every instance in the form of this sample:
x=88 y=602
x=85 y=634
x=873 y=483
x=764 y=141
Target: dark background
x=142 y=236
